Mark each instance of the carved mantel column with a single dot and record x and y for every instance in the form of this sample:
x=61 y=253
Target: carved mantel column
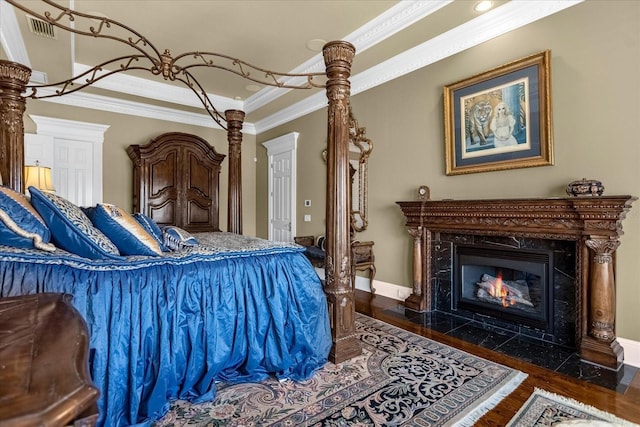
x=602 y=310
x=234 y=118
x=600 y=343
x=420 y=299
x=338 y=57
x=13 y=80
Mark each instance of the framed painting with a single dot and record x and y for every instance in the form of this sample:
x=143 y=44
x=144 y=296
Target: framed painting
x=500 y=119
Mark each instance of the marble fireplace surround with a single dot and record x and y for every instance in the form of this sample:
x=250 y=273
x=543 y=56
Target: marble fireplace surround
x=593 y=223
x=552 y=316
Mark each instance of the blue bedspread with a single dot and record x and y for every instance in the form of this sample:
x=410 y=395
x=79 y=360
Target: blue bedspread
x=234 y=308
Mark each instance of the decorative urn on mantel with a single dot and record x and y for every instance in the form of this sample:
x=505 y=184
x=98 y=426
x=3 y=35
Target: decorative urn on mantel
x=594 y=223
x=585 y=187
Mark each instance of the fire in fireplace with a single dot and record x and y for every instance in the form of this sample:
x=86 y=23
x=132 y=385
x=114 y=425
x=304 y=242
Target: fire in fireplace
x=510 y=284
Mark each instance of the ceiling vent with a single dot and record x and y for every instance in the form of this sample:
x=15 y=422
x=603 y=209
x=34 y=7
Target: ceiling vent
x=41 y=28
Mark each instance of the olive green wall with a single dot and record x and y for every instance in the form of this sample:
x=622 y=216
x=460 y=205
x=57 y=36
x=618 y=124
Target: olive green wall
x=595 y=49
x=125 y=130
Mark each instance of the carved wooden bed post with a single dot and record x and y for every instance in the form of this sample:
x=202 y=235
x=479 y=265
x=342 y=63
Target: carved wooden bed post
x=338 y=56
x=13 y=80
x=234 y=118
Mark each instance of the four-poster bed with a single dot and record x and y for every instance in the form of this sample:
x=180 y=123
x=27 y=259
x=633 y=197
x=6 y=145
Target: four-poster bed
x=338 y=56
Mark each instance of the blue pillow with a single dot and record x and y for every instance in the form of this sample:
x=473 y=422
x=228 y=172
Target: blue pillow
x=70 y=228
x=176 y=238
x=152 y=228
x=20 y=224
x=123 y=230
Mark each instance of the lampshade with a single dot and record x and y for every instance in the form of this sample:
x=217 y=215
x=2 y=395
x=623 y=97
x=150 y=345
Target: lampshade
x=39 y=177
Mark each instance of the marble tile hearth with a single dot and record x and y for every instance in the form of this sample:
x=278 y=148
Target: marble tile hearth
x=548 y=355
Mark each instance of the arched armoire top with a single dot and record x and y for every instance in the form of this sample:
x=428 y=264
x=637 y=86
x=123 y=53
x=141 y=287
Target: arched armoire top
x=167 y=141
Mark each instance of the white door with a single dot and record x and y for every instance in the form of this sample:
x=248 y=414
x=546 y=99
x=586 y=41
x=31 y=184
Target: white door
x=73 y=150
x=73 y=176
x=281 y=153
x=281 y=194
x=71 y=164
x=38 y=148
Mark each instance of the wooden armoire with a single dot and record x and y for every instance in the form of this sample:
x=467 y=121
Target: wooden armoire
x=176 y=181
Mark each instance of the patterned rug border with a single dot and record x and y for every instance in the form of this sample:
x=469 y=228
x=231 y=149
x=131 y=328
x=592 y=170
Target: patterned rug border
x=542 y=407
x=401 y=378
x=482 y=405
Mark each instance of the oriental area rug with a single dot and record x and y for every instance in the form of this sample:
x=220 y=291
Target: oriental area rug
x=549 y=409
x=399 y=379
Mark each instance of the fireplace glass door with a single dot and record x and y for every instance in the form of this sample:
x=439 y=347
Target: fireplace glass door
x=513 y=285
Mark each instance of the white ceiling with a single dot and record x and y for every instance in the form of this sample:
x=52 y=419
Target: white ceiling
x=392 y=38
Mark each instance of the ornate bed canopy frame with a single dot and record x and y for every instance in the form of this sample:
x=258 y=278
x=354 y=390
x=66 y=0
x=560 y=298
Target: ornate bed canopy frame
x=338 y=57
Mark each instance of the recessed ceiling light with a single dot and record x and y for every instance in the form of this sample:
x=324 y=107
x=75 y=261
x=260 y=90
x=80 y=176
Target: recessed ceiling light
x=483 y=6
x=252 y=88
x=316 y=45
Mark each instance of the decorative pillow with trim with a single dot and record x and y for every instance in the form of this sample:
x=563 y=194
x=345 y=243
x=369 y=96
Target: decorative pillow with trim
x=70 y=228
x=176 y=238
x=152 y=228
x=124 y=231
x=20 y=224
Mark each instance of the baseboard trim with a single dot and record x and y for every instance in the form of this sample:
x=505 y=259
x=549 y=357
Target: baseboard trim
x=384 y=289
x=400 y=293
x=631 y=351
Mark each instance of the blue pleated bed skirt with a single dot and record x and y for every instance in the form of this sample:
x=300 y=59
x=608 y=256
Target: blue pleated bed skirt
x=171 y=327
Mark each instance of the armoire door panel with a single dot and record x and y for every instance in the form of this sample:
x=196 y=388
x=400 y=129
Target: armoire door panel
x=168 y=196
x=200 y=175
x=198 y=215
x=163 y=214
x=163 y=174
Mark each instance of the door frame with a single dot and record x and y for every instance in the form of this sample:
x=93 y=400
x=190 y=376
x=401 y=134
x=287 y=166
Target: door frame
x=81 y=132
x=279 y=145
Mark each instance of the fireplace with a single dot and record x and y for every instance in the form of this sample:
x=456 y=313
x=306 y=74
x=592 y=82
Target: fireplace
x=512 y=285
x=466 y=266
x=589 y=229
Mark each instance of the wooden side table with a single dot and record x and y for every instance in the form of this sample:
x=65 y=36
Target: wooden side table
x=44 y=375
x=362 y=258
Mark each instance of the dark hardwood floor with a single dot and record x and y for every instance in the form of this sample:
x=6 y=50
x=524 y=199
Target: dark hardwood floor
x=624 y=404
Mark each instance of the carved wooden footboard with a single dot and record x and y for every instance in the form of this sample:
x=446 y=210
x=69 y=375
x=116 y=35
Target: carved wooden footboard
x=44 y=376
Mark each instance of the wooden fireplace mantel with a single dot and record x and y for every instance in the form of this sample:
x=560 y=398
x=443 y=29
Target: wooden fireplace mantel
x=594 y=223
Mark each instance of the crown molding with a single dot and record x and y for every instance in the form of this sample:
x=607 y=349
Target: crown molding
x=71 y=129
x=132 y=108
x=499 y=21
x=299 y=109
x=10 y=37
x=392 y=21
x=13 y=43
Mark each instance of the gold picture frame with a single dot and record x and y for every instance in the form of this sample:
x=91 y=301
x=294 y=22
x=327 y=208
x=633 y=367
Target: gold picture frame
x=500 y=119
